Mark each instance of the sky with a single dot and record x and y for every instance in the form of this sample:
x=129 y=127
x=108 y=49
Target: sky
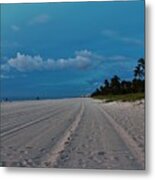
x=58 y=50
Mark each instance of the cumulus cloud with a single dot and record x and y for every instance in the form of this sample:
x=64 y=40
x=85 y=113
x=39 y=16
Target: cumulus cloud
x=83 y=60
x=15 y=28
x=40 y=19
x=25 y=62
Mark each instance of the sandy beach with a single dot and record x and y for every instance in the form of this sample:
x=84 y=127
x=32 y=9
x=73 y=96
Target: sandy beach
x=73 y=133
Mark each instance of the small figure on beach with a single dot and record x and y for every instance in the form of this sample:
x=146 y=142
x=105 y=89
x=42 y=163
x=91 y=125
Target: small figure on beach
x=37 y=98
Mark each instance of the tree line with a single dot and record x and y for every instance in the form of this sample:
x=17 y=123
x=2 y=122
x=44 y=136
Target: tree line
x=116 y=86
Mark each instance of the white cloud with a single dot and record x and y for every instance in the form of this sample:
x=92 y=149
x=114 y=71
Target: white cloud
x=116 y=36
x=15 y=28
x=40 y=19
x=2 y=76
x=26 y=62
x=83 y=59
x=132 y=40
x=5 y=67
x=119 y=58
x=109 y=33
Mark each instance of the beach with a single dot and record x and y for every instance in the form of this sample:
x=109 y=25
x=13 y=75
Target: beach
x=73 y=133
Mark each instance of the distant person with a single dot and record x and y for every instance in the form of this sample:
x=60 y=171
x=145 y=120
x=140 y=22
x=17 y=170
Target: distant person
x=6 y=99
x=37 y=98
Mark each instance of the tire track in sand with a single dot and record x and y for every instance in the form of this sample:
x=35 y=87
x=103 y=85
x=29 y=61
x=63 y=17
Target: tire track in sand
x=27 y=124
x=131 y=144
x=51 y=158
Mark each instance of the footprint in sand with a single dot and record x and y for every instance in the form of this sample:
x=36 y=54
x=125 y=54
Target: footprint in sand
x=64 y=157
x=42 y=150
x=47 y=164
x=130 y=157
x=28 y=147
x=101 y=153
x=22 y=151
x=53 y=139
x=69 y=138
x=67 y=142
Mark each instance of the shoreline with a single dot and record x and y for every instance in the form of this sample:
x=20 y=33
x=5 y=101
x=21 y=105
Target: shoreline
x=33 y=99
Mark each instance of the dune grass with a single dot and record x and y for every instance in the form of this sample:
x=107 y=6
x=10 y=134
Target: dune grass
x=122 y=97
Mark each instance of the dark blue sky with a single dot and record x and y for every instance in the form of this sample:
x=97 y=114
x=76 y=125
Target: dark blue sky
x=68 y=49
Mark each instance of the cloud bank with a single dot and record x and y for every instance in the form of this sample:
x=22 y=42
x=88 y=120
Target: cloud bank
x=83 y=60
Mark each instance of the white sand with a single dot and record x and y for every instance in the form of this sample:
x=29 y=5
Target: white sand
x=131 y=117
x=73 y=133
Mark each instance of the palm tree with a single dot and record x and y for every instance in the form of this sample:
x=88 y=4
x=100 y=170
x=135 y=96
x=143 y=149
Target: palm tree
x=126 y=86
x=139 y=71
x=101 y=88
x=115 y=84
x=106 y=87
x=106 y=83
x=96 y=93
x=115 y=81
x=141 y=63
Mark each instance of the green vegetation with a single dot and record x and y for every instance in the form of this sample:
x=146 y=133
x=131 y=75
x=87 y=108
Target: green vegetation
x=122 y=97
x=117 y=89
